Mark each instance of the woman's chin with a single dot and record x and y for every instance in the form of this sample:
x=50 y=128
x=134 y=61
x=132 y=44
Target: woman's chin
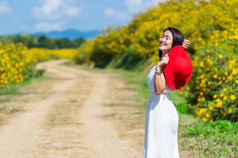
x=162 y=48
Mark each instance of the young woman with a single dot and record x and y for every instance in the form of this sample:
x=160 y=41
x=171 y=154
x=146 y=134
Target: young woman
x=161 y=116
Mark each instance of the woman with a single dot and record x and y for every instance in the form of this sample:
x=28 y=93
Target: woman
x=161 y=116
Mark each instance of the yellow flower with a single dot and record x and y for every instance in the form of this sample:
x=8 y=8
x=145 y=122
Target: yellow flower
x=188 y=88
x=233 y=97
x=204 y=119
x=230 y=111
x=220 y=56
x=207 y=115
x=211 y=108
x=201 y=64
x=224 y=89
x=234 y=71
x=225 y=98
x=219 y=103
x=214 y=96
x=221 y=95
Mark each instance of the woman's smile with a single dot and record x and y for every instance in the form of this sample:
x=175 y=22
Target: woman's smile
x=162 y=44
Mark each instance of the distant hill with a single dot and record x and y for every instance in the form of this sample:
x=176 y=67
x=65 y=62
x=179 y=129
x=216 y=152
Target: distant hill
x=71 y=34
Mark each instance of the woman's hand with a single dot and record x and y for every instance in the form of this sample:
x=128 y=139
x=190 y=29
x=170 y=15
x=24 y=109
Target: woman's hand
x=186 y=43
x=164 y=61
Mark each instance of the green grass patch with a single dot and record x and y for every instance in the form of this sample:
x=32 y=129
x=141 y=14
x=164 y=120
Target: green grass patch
x=211 y=140
x=11 y=89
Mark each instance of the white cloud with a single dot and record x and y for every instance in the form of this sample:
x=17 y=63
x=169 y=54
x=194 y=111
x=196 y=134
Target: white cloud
x=55 y=9
x=137 y=6
x=73 y=11
x=153 y=3
x=4 y=8
x=112 y=13
x=109 y=12
x=132 y=3
x=123 y=16
x=132 y=7
x=46 y=27
x=51 y=6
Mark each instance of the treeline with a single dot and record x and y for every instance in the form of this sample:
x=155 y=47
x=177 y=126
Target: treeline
x=42 y=41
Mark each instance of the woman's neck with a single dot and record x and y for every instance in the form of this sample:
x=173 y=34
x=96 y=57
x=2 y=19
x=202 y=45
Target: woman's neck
x=164 y=53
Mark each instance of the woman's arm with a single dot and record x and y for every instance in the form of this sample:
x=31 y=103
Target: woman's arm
x=160 y=82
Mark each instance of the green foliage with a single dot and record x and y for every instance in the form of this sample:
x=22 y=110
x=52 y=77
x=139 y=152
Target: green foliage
x=42 y=41
x=101 y=59
x=128 y=61
x=211 y=27
x=214 y=83
x=207 y=129
x=34 y=73
x=217 y=139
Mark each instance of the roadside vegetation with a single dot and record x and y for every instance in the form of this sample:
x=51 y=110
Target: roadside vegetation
x=208 y=106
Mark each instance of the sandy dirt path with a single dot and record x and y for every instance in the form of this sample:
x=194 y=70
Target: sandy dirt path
x=77 y=113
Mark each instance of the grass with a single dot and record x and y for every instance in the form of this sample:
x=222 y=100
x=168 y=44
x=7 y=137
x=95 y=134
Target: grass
x=14 y=87
x=217 y=139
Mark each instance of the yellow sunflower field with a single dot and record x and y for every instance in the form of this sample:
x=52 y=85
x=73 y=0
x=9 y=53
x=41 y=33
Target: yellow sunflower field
x=18 y=62
x=211 y=27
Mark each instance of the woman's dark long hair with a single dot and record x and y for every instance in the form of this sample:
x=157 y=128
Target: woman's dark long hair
x=178 y=37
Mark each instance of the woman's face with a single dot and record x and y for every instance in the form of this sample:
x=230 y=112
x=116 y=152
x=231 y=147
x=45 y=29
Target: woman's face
x=166 y=41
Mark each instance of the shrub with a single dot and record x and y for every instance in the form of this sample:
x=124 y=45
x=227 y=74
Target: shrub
x=214 y=82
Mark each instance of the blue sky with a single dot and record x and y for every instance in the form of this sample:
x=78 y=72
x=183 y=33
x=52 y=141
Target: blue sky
x=31 y=16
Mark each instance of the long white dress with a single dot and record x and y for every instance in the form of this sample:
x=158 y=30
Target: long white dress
x=161 y=123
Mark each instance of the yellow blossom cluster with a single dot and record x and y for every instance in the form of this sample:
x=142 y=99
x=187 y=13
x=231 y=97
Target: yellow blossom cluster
x=214 y=83
x=202 y=22
x=14 y=62
x=212 y=28
x=17 y=63
x=42 y=54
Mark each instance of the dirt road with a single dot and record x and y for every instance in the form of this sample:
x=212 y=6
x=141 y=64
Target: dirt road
x=75 y=114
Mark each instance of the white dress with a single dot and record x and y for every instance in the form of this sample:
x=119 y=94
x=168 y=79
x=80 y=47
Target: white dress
x=161 y=123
